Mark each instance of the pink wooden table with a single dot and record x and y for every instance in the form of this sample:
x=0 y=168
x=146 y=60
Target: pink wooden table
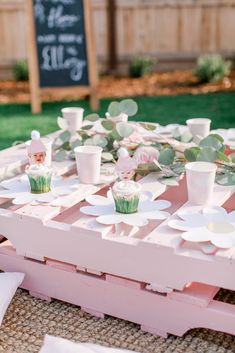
x=153 y=278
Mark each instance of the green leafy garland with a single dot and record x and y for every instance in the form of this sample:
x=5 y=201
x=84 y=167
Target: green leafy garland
x=171 y=162
x=115 y=131
x=212 y=149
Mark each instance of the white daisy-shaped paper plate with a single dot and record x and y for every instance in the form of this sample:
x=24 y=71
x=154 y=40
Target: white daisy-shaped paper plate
x=103 y=208
x=212 y=228
x=18 y=189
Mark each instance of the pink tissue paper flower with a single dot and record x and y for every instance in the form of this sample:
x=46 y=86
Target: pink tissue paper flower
x=134 y=139
x=146 y=154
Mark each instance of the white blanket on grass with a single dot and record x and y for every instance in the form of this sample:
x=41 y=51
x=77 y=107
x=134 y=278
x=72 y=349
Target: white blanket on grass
x=9 y=282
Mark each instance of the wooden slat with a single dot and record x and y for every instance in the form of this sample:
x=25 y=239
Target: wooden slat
x=59 y=206
x=154 y=312
x=89 y=226
x=84 y=243
x=43 y=213
x=195 y=294
x=158 y=236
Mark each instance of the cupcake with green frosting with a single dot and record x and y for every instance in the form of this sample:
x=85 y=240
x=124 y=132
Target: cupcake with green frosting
x=126 y=194
x=39 y=178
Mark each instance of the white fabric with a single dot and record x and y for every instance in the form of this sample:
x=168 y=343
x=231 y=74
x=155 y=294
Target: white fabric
x=60 y=345
x=9 y=282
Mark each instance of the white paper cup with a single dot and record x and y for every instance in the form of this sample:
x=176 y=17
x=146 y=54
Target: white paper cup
x=200 y=182
x=74 y=117
x=88 y=159
x=48 y=144
x=199 y=127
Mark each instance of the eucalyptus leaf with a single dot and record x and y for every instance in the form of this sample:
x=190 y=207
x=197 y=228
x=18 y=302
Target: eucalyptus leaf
x=146 y=168
x=60 y=156
x=75 y=144
x=226 y=179
x=65 y=136
x=108 y=124
x=84 y=135
x=218 y=137
x=166 y=156
x=191 y=153
x=99 y=140
x=89 y=142
x=232 y=157
x=87 y=127
x=17 y=142
x=128 y=106
x=157 y=146
x=178 y=168
x=114 y=135
x=211 y=141
x=186 y=137
x=124 y=129
x=207 y=154
x=222 y=157
x=149 y=127
x=110 y=141
x=92 y=117
x=72 y=155
x=168 y=181
x=149 y=167
x=107 y=156
x=114 y=109
x=65 y=146
x=158 y=164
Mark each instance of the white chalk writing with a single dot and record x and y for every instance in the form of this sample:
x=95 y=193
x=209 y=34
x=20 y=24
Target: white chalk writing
x=60 y=41
x=54 y=59
x=39 y=12
x=58 y=19
x=47 y=39
x=70 y=38
x=65 y=2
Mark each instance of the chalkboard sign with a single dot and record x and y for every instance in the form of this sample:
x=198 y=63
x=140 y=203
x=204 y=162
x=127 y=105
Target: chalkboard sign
x=61 y=42
x=61 y=45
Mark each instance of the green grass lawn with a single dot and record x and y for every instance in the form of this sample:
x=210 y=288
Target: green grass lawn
x=16 y=120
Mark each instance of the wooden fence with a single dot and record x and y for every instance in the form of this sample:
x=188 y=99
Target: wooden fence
x=165 y=29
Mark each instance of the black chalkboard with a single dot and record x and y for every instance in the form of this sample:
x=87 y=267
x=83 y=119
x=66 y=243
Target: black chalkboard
x=61 y=42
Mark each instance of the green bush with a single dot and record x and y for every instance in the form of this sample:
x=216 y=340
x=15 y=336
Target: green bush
x=140 y=66
x=20 y=70
x=211 y=68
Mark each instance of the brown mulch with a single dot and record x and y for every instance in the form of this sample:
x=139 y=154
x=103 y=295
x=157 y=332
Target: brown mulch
x=162 y=83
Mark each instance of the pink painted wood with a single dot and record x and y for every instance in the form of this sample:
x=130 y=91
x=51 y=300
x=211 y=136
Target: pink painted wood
x=82 y=242
x=98 y=295
x=121 y=276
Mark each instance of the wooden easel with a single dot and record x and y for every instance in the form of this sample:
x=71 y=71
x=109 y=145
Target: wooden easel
x=34 y=79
